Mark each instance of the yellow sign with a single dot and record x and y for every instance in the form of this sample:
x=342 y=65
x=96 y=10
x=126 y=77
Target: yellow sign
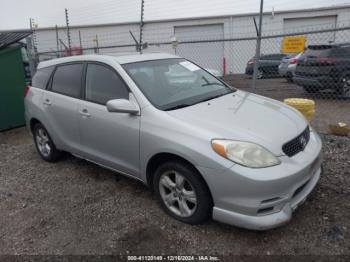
x=293 y=44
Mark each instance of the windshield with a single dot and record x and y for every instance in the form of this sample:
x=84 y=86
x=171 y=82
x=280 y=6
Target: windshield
x=174 y=83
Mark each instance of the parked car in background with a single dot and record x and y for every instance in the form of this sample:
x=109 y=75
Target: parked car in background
x=267 y=66
x=206 y=149
x=323 y=67
x=287 y=67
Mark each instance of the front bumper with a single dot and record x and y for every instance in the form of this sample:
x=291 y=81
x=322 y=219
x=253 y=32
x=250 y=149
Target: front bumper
x=264 y=198
x=268 y=221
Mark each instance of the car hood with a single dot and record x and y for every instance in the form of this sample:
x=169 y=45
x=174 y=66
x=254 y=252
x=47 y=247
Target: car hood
x=247 y=117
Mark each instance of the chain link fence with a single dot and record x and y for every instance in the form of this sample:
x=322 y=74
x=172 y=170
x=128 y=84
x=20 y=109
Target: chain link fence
x=320 y=73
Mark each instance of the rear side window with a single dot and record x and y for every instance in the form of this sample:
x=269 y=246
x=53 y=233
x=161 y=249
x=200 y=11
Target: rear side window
x=42 y=77
x=103 y=84
x=341 y=51
x=318 y=51
x=275 y=57
x=67 y=80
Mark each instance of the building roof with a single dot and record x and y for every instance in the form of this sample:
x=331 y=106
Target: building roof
x=8 y=38
x=120 y=59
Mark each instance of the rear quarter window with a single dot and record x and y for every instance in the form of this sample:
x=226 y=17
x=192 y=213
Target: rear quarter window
x=42 y=76
x=67 y=80
x=317 y=52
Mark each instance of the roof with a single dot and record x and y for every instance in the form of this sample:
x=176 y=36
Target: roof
x=120 y=59
x=8 y=38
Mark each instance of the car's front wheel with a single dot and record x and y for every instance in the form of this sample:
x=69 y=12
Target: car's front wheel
x=311 y=89
x=182 y=192
x=44 y=144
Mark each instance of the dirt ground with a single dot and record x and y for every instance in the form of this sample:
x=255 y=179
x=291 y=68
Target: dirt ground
x=330 y=108
x=75 y=207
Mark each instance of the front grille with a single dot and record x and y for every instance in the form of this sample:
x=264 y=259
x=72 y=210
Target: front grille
x=297 y=144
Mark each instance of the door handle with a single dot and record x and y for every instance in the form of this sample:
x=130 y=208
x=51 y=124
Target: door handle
x=85 y=113
x=47 y=102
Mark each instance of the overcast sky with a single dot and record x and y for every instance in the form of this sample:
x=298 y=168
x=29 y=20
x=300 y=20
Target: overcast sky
x=15 y=14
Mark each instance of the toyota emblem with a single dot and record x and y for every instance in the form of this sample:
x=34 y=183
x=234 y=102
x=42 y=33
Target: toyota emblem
x=302 y=141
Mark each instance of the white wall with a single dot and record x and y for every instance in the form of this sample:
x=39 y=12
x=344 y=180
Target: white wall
x=237 y=53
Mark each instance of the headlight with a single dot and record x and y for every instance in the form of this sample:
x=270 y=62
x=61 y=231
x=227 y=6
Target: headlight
x=245 y=153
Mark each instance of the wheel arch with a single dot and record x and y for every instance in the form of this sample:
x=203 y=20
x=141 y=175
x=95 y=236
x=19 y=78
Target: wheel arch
x=32 y=123
x=163 y=157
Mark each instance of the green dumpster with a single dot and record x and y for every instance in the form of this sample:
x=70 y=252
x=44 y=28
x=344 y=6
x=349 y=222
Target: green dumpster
x=12 y=82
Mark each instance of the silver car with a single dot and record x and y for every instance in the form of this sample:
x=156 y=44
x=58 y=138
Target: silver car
x=205 y=148
x=288 y=65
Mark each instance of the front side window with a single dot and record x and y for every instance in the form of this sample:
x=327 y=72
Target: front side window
x=42 y=76
x=67 y=80
x=174 y=83
x=103 y=84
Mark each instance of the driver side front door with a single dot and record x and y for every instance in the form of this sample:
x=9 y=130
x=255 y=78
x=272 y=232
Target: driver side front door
x=110 y=139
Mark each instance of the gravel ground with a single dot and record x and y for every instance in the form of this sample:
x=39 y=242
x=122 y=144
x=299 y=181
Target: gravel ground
x=75 y=207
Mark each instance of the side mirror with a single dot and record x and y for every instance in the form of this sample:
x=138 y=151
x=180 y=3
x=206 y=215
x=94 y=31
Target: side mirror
x=122 y=106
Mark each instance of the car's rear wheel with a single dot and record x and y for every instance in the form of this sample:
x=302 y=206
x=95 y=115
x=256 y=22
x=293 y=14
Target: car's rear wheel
x=289 y=77
x=345 y=87
x=260 y=74
x=44 y=144
x=182 y=193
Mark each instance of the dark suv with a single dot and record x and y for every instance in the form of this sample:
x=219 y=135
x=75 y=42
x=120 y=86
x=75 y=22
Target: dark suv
x=325 y=67
x=268 y=65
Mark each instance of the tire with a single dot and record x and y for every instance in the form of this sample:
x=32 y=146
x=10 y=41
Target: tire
x=44 y=144
x=260 y=74
x=189 y=199
x=345 y=86
x=289 y=77
x=311 y=89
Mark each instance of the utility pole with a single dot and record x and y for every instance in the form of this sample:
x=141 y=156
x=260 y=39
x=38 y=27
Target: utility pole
x=68 y=31
x=258 y=46
x=141 y=26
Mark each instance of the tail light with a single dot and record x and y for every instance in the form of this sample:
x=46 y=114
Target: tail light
x=251 y=62
x=293 y=61
x=327 y=60
x=26 y=90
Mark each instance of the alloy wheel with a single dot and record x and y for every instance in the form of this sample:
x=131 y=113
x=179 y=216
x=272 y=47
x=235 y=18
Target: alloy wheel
x=259 y=74
x=43 y=142
x=177 y=194
x=346 y=86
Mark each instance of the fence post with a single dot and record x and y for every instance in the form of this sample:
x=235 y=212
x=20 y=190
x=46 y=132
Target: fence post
x=141 y=26
x=29 y=42
x=258 y=46
x=81 y=46
x=68 y=31
x=57 y=42
x=34 y=53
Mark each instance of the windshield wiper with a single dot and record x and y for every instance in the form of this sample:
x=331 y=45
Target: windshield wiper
x=213 y=84
x=177 y=107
